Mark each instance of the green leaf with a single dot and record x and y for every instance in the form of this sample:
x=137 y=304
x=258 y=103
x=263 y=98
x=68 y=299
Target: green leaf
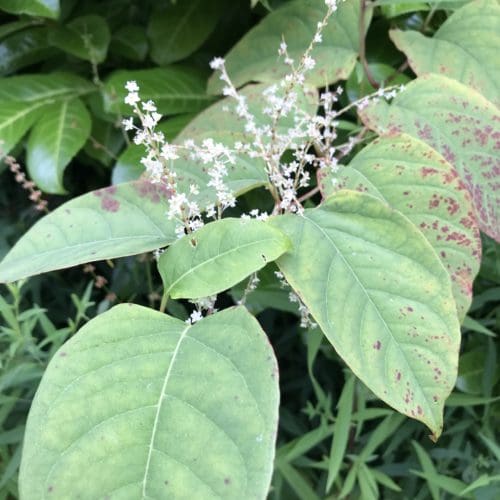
x=86 y=37
x=23 y=49
x=36 y=87
x=44 y=8
x=179 y=29
x=341 y=431
x=255 y=56
x=173 y=89
x=151 y=407
x=103 y=224
x=16 y=118
x=218 y=256
x=458 y=123
x=56 y=137
x=130 y=41
x=105 y=141
x=414 y=179
x=428 y=468
x=465 y=48
x=118 y=221
x=381 y=296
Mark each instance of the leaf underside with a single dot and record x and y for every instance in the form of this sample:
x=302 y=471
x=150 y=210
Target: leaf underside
x=129 y=401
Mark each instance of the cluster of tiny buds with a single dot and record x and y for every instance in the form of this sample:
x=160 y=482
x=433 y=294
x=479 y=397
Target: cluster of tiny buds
x=35 y=195
x=205 y=304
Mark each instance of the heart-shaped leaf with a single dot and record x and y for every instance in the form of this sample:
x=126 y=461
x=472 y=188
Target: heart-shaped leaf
x=465 y=48
x=460 y=124
x=381 y=296
x=218 y=256
x=414 y=179
x=150 y=407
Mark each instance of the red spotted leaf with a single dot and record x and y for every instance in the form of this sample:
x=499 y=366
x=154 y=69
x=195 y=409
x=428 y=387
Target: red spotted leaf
x=414 y=179
x=460 y=124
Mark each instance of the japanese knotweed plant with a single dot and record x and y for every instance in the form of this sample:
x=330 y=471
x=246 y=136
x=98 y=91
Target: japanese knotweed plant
x=140 y=404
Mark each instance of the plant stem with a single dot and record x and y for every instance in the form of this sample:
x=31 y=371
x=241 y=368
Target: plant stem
x=362 y=46
x=164 y=301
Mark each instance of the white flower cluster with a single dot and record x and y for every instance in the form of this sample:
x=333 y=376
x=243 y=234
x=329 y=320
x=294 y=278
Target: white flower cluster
x=159 y=159
x=292 y=143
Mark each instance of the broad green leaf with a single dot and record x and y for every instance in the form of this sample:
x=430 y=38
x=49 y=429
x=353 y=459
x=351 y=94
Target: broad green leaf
x=44 y=8
x=108 y=223
x=465 y=48
x=16 y=118
x=381 y=296
x=412 y=178
x=86 y=37
x=178 y=29
x=36 y=87
x=23 y=48
x=255 y=56
x=7 y=29
x=173 y=89
x=457 y=122
x=56 y=137
x=218 y=256
x=113 y=222
x=130 y=41
x=150 y=407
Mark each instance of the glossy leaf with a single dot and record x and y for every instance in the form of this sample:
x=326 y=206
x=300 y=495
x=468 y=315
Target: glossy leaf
x=173 y=89
x=218 y=256
x=460 y=124
x=22 y=49
x=163 y=426
x=465 y=48
x=179 y=29
x=255 y=58
x=43 y=8
x=57 y=136
x=414 y=179
x=16 y=118
x=86 y=37
x=36 y=87
x=382 y=298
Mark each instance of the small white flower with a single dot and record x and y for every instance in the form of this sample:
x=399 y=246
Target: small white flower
x=128 y=123
x=217 y=63
x=132 y=98
x=132 y=86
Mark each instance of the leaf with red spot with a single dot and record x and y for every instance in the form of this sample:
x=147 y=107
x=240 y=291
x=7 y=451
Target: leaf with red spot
x=460 y=124
x=414 y=179
x=471 y=59
x=381 y=296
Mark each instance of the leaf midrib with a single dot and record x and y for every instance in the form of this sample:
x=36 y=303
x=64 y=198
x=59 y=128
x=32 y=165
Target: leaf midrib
x=158 y=408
